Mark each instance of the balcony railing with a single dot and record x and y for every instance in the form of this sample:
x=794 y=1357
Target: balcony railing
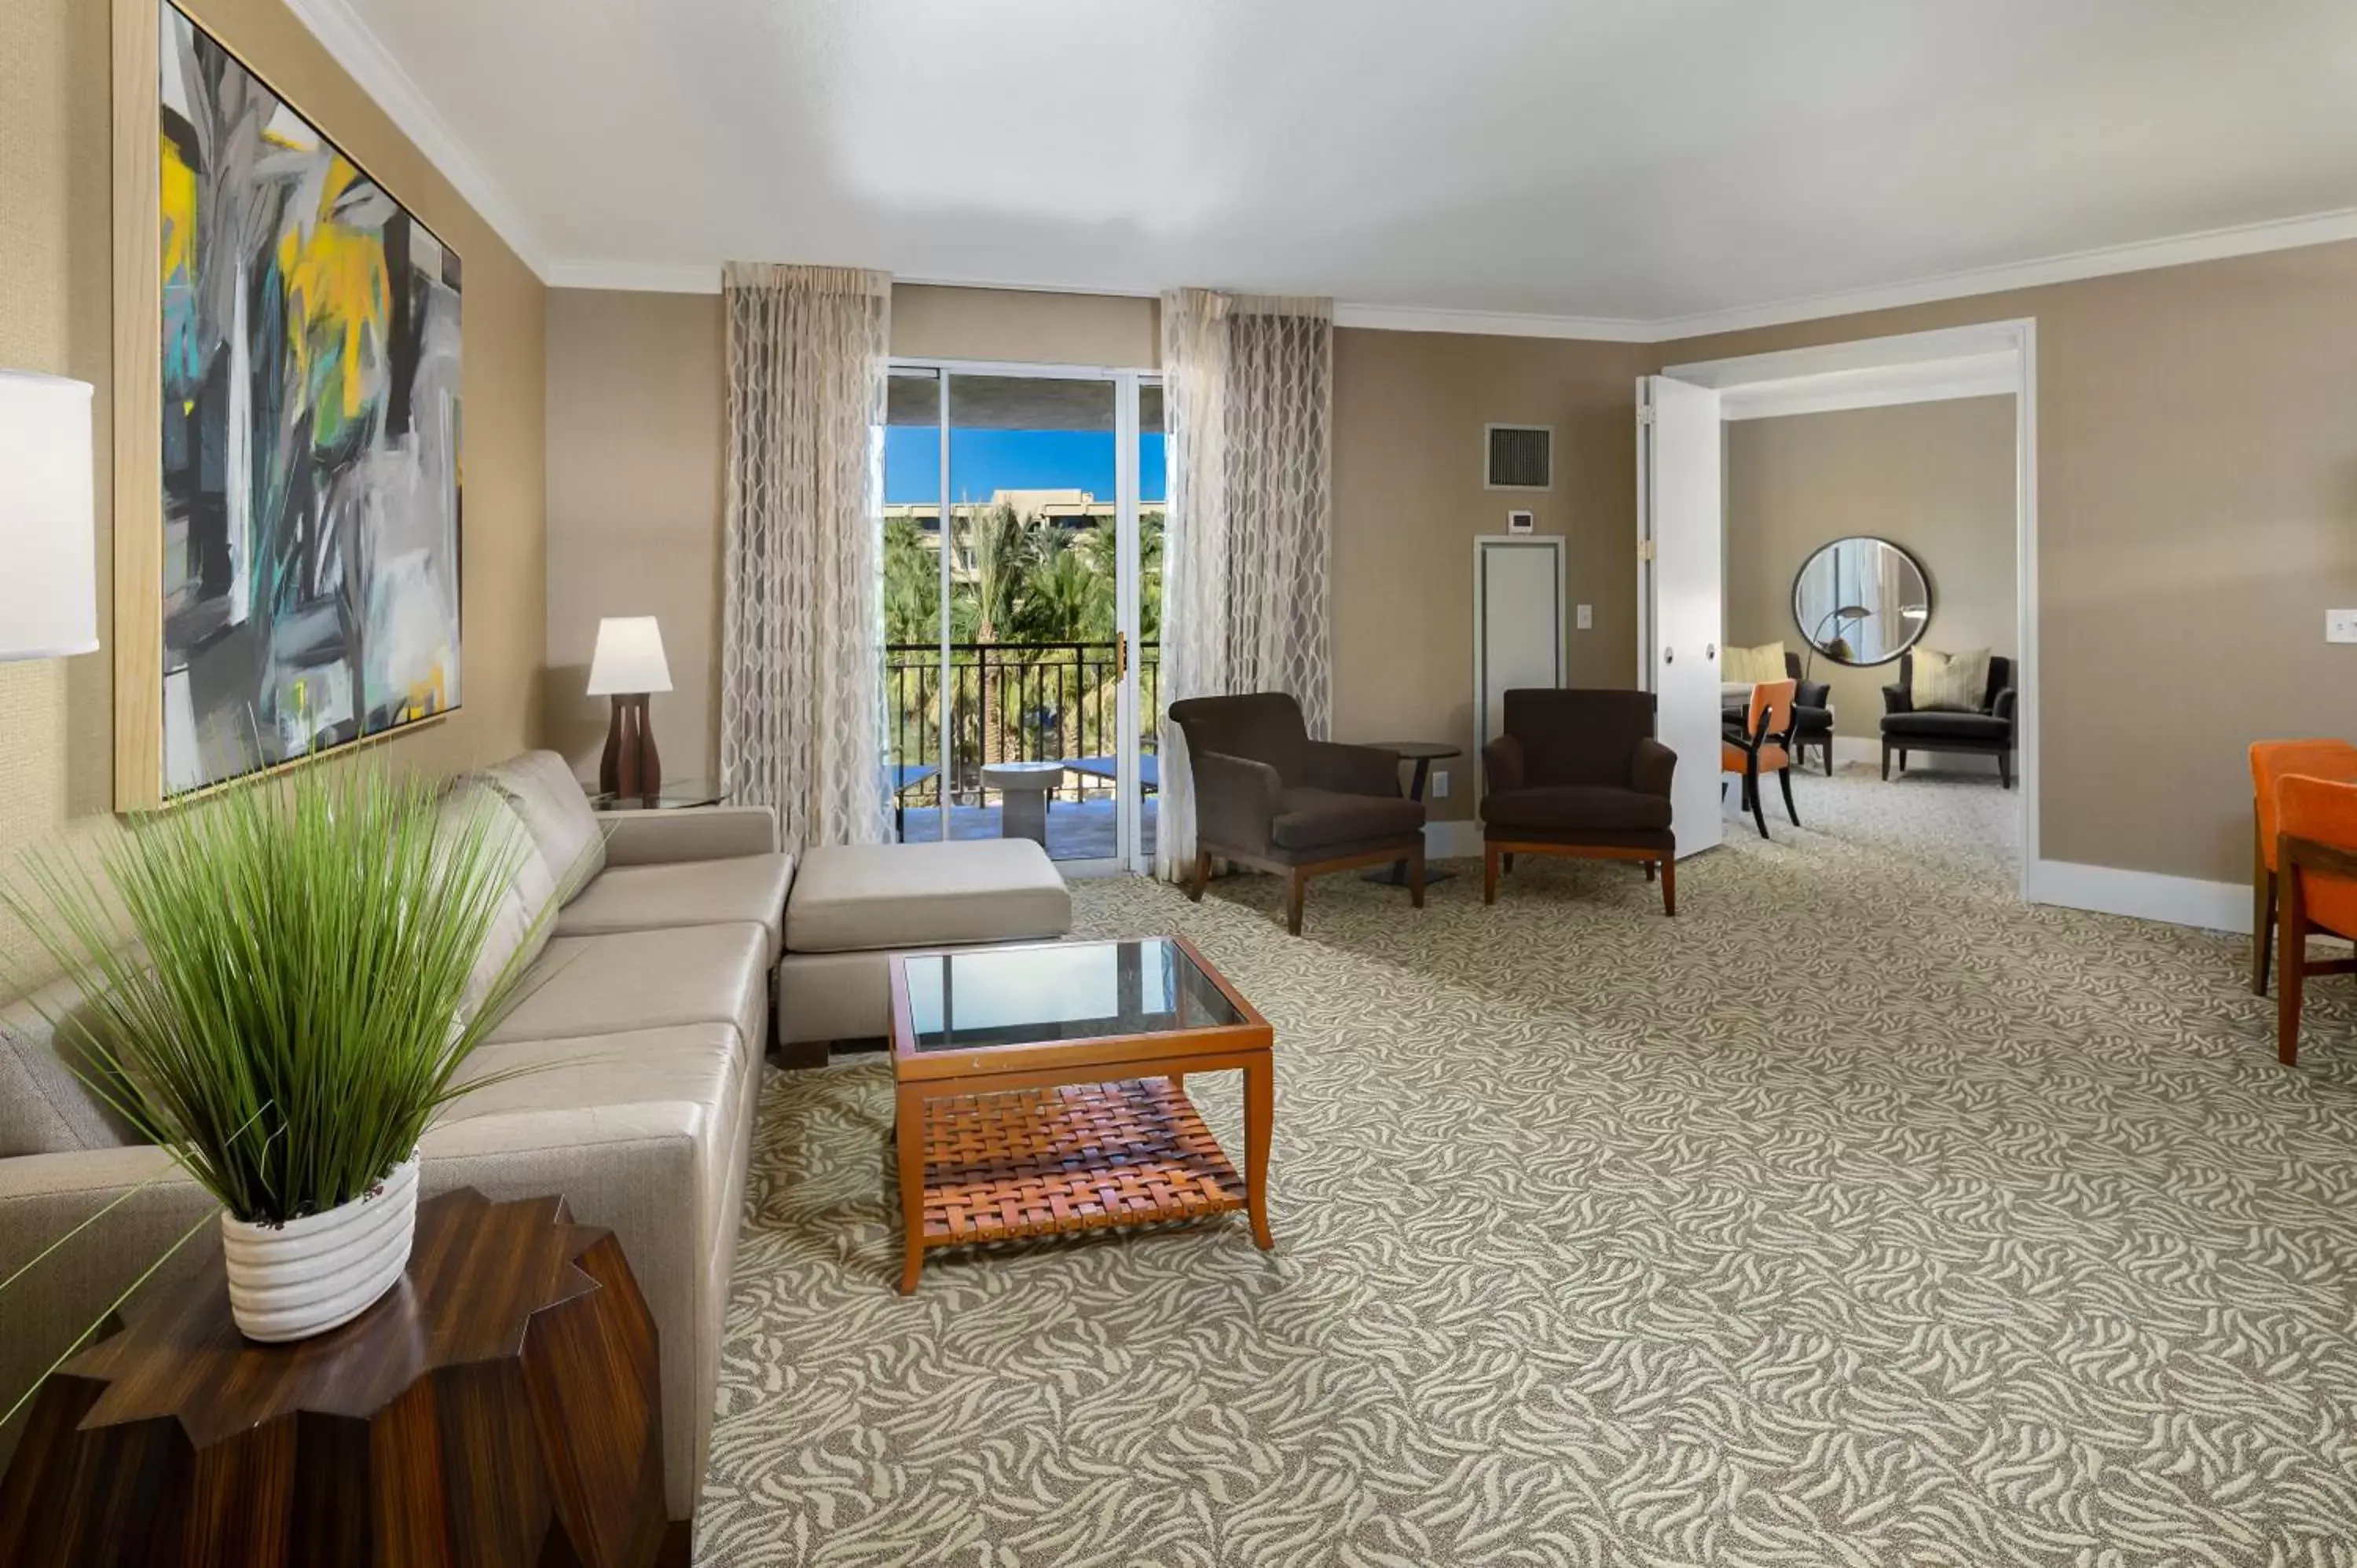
x=1011 y=701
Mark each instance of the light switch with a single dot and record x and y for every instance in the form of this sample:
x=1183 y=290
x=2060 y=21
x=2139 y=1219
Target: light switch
x=1586 y=618
x=2341 y=625
x=1439 y=783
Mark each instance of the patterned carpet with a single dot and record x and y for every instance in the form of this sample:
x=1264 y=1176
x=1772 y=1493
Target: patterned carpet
x=1859 y=1215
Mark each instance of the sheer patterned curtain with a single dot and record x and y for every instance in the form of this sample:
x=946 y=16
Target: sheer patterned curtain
x=801 y=665
x=1248 y=389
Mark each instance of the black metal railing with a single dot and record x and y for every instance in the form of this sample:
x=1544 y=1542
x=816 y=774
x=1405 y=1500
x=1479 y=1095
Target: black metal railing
x=1011 y=701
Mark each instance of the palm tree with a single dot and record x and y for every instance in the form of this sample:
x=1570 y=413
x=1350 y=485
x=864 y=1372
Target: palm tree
x=1000 y=548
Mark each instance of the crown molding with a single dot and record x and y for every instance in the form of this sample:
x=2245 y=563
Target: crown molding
x=2144 y=255
x=348 y=39
x=635 y=277
x=1491 y=323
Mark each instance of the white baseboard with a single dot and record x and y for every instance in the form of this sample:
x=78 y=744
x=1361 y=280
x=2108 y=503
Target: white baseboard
x=1457 y=840
x=2143 y=894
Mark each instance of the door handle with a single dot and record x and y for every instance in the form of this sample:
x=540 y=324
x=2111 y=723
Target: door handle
x=1669 y=656
x=1121 y=656
x=1710 y=653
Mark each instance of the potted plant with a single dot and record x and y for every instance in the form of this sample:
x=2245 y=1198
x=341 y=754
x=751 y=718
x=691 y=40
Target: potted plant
x=304 y=972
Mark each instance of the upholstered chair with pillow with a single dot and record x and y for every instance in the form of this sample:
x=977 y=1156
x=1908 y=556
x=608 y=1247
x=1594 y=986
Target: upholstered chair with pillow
x=1944 y=702
x=2271 y=762
x=2316 y=850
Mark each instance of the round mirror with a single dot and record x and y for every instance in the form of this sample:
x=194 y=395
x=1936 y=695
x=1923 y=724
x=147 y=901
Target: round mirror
x=1861 y=601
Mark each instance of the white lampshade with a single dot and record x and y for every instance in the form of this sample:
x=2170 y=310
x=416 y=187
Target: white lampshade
x=49 y=567
x=630 y=658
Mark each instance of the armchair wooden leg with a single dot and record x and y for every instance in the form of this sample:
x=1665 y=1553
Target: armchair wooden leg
x=2005 y=768
x=1506 y=863
x=1489 y=873
x=1751 y=792
x=2293 y=941
x=1669 y=885
x=1415 y=878
x=2262 y=927
x=1203 y=874
x=1297 y=883
x=1648 y=871
x=1784 y=776
x=1886 y=762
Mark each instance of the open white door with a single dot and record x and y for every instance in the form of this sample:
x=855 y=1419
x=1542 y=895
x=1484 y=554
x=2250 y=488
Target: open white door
x=1679 y=590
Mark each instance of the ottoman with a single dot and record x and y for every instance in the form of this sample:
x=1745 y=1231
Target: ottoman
x=854 y=905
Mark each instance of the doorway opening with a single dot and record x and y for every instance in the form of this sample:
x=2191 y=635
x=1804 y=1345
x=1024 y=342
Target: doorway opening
x=1685 y=549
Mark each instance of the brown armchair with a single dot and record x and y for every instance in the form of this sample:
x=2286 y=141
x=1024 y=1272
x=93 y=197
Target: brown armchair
x=1268 y=796
x=1578 y=773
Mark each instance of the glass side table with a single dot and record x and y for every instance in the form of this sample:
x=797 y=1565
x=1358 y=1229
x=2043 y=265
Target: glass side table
x=676 y=795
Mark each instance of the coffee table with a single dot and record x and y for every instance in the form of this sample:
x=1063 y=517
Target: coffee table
x=1040 y=1088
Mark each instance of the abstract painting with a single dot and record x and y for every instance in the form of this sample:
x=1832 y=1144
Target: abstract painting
x=311 y=434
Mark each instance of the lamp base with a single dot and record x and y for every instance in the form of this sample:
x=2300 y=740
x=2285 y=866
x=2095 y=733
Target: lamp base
x=629 y=769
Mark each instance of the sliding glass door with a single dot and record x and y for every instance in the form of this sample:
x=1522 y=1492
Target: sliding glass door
x=1018 y=571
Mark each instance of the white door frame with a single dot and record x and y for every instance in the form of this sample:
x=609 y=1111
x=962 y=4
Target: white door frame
x=1126 y=857
x=1922 y=367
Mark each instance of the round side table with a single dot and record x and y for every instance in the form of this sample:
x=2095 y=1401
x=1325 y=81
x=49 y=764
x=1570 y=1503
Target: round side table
x=1024 y=788
x=1424 y=754
x=502 y=1407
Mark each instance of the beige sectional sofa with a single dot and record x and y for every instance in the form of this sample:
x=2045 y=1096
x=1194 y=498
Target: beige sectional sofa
x=651 y=999
x=650 y=1007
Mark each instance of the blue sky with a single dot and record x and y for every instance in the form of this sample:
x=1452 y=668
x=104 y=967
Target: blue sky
x=982 y=461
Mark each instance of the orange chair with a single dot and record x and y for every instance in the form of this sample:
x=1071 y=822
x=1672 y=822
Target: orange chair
x=2316 y=857
x=2270 y=761
x=1762 y=747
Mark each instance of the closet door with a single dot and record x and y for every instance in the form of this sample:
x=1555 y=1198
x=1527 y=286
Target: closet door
x=1518 y=624
x=1678 y=503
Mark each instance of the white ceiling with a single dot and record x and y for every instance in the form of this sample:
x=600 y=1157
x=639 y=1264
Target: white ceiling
x=1636 y=164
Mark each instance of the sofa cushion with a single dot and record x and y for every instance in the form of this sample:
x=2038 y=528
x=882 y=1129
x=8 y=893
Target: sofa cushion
x=1313 y=818
x=857 y=897
x=554 y=808
x=1948 y=726
x=627 y=980
x=1569 y=807
x=45 y=1107
x=520 y=921
x=1949 y=683
x=747 y=889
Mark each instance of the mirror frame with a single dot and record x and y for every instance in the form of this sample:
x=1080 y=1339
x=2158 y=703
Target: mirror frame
x=1931 y=602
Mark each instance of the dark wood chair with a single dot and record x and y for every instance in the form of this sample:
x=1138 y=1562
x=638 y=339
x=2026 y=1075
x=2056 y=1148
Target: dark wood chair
x=1578 y=773
x=1269 y=796
x=1757 y=747
x=2271 y=762
x=2316 y=861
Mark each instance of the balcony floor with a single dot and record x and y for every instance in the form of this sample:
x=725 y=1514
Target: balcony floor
x=1077 y=829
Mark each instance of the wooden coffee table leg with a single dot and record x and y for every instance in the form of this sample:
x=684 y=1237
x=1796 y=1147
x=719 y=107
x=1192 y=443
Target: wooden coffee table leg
x=908 y=1146
x=1260 y=1121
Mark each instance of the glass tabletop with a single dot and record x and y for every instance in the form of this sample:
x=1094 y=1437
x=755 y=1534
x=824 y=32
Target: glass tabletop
x=1066 y=991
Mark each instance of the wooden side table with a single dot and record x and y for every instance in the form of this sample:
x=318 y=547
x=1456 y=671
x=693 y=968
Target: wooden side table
x=502 y=1406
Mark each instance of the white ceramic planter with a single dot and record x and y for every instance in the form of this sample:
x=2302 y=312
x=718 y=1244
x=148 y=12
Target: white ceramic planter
x=308 y=1275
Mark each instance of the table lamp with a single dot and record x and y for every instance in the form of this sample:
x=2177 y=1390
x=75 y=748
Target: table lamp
x=48 y=570
x=628 y=666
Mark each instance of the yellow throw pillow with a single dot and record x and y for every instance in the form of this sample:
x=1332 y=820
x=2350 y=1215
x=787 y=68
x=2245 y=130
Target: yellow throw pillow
x=1752 y=665
x=1950 y=683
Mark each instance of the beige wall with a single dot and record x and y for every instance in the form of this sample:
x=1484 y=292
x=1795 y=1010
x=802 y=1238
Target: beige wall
x=2197 y=514
x=1409 y=501
x=635 y=444
x=636 y=450
x=1936 y=478
x=56 y=313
